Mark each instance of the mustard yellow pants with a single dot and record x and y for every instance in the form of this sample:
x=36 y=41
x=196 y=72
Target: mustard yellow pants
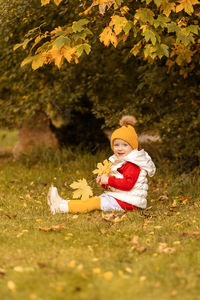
x=93 y=203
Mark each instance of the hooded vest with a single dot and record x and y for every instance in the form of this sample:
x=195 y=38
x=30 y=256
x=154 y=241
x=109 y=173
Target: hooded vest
x=137 y=195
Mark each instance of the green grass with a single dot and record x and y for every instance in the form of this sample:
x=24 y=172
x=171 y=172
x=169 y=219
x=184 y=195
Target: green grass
x=8 y=138
x=72 y=262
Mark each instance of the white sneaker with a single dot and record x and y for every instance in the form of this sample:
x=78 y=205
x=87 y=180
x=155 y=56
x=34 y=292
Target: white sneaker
x=55 y=202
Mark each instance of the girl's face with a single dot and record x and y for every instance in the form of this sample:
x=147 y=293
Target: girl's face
x=121 y=148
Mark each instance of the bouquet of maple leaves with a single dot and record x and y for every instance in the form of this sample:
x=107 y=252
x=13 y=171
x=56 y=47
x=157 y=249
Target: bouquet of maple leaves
x=82 y=189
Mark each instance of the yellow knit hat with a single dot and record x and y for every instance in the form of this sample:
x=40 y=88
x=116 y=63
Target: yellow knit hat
x=126 y=132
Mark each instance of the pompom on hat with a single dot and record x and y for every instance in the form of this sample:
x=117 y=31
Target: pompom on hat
x=126 y=132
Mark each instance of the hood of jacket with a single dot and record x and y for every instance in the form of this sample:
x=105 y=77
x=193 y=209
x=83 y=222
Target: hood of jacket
x=137 y=157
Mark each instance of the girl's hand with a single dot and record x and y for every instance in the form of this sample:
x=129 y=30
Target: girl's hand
x=98 y=179
x=103 y=179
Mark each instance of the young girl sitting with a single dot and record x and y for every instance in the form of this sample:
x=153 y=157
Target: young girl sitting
x=126 y=188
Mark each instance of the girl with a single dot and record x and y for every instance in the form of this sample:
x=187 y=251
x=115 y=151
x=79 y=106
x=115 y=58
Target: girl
x=126 y=187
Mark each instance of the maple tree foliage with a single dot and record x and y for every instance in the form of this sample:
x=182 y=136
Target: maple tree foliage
x=153 y=29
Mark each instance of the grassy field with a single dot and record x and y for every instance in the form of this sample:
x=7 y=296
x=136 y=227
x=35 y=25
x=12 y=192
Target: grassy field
x=152 y=254
x=7 y=139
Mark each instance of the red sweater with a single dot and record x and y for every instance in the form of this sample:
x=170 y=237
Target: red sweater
x=130 y=174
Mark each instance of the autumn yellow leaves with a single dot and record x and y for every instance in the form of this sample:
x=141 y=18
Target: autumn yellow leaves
x=151 y=27
x=82 y=189
x=45 y=2
x=67 y=43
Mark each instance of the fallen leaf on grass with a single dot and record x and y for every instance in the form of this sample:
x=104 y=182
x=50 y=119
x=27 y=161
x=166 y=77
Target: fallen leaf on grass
x=60 y=226
x=198 y=272
x=163 y=248
x=148 y=208
x=41 y=265
x=38 y=220
x=103 y=231
x=21 y=233
x=113 y=218
x=14 y=181
x=191 y=233
x=135 y=240
x=157 y=285
x=169 y=213
x=80 y=267
x=58 y=286
x=2 y=272
x=174 y=204
x=143 y=278
x=174 y=293
x=95 y=259
x=146 y=223
x=96 y=271
x=71 y=264
x=147 y=215
x=163 y=197
x=108 y=275
x=120 y=273
x=83 y=275
x=119 y=219
x=11 y=217
x=33 y=296
x=107 y=217
x=176 y=242
x=21 y=269
x=75 y=217
x=139 y=248
x=11 y=285
x=128 y=270
x=158 y=227
x=90 y=249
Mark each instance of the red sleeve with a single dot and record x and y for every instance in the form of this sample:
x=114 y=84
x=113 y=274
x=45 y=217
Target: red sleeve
x=104 y=186
x=130 y=174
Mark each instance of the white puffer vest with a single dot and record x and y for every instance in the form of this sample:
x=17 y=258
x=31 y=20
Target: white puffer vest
x=137 y=195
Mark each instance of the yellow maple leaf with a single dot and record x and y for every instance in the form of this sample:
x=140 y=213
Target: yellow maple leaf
x=187 y=5
x=108 y=36
x=44 y=2
x=83 y=190
x=167 y=8
x=56 y=55
x=118 y=23
x=57 y=2
x=38 y=61
x=103 y=168
x=68 y=52
x=136 y=49
x=103 y=4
